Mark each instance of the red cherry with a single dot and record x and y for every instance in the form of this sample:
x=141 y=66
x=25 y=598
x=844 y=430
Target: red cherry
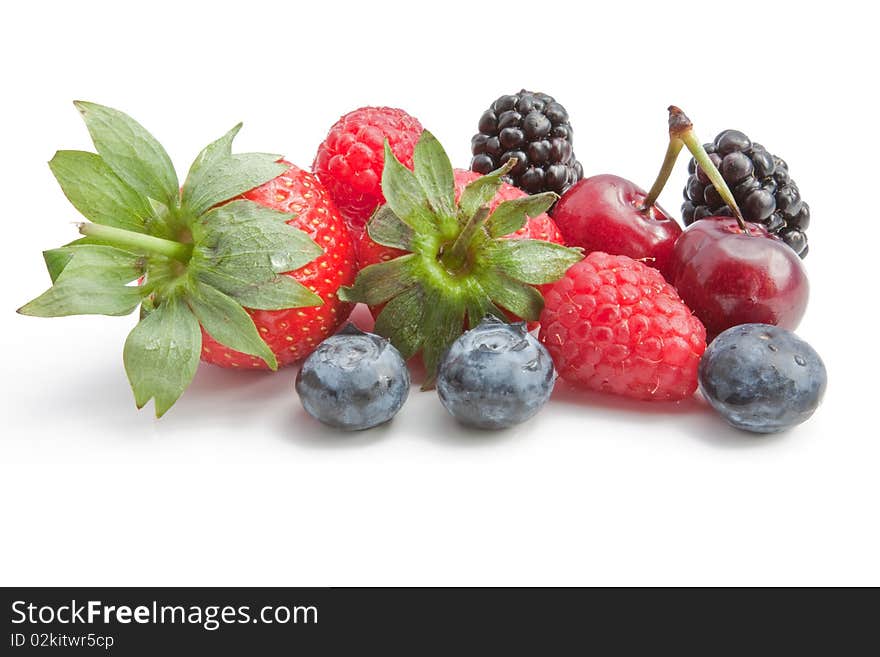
x=604 y=213
x=728 y=277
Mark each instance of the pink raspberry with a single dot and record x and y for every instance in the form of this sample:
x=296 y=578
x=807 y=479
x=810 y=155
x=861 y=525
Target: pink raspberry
x=613 y=324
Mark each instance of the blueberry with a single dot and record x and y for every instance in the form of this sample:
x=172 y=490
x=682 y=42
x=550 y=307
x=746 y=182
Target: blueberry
x=353 y=380
x=762 y=378
x=495 y=375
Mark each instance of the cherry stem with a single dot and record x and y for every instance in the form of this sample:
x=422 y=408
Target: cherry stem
x=138 y=242
x=457 y=254
x=672 y=152
x=680 y=127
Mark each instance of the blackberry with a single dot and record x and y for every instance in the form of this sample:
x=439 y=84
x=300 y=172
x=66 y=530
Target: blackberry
x=760 y=183
x=534 y=129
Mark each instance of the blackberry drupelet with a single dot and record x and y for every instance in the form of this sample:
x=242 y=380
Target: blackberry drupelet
x=760 y=183
x=534 y=129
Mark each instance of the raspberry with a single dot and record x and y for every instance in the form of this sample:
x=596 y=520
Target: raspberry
x=349 y=161
x=613 y=324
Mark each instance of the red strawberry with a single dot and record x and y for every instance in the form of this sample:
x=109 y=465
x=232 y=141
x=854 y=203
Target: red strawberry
x=439 y=256
x=294 y=333
x=205 y=253
x=349 y=161
x=613 y=324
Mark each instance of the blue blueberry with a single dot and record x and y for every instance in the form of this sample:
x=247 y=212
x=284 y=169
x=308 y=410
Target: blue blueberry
x=495 y=375
x=353 y=380
x=762 y=378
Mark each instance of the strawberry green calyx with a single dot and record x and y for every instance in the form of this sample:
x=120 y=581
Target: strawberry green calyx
x=200 y=257
x=140 y=242
x=459 y=266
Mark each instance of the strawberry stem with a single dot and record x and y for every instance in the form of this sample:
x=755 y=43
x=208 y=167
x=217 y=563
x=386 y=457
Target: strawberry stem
x=137 y=242
x=457 y=255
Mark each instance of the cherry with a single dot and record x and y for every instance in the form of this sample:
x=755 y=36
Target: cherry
x=729 y=271
x=728 y=276
x=611 y=214
x=608 y=213
x=726 y=270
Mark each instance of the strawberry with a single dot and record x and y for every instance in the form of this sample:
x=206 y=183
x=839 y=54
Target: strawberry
x=541 y=227
x=613 y=324
x=203 y=253
x=293 y=333
x=441 y=258
x=349 y=160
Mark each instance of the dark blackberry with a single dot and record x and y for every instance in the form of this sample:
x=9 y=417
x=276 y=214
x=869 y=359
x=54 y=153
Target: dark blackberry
x=534 y=129
x=760 y=183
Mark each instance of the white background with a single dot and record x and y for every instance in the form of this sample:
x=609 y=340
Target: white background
x=236 y=485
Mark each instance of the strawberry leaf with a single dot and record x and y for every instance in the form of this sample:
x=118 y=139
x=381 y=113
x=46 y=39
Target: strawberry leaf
x=378 y=283
x=227 y=322
x=161 y=354
x=433 y=171
x=405 y=195
x=522 y=300
x=510 y=216
x=84 y=296
x=217 y=175
x=457 y=271
x=387 y=229
x=98 y=193
x=479 y=305
x=519 y=298
x=442 y=323
x=131 y=152
x=479 y=192
x=531 y=261
x=401 y=321
x=279 y=293
x=56 y=260
x=214 y=152
x=89 y=280
x=203 y=265
x=250 y=242
x=233 y=176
